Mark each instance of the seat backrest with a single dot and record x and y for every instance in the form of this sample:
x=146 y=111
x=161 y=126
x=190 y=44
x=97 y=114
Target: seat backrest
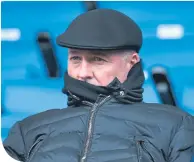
x=33 y=96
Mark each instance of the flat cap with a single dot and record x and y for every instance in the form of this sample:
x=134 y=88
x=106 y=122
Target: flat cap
x=102 y=29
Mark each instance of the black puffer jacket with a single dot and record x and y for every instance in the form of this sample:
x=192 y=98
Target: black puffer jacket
x=116 y=126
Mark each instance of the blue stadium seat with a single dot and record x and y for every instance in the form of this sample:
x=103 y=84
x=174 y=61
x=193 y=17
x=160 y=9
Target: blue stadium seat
x=22 y=60
x=33 y=95
x=150 y=94
x=183 y=85
x=23 y=98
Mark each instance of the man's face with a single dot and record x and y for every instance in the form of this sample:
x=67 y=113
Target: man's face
x=98 y=67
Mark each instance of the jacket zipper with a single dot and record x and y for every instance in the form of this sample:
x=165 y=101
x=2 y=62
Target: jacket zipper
x=90 y=128
x=88 y=103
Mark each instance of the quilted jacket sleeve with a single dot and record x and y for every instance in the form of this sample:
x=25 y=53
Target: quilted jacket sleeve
x=14 y=143
x=181 y=148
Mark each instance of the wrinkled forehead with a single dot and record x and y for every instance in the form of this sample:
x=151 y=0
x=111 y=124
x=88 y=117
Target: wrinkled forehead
x=94 y=52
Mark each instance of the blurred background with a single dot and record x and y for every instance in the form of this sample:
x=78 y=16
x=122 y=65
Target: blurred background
x=33 y=65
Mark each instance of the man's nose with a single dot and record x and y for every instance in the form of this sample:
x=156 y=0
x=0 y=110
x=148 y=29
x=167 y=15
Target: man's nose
x=85 y=71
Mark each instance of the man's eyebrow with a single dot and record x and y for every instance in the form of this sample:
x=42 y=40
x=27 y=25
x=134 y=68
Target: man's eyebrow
x=74 y=51
x=100 y=53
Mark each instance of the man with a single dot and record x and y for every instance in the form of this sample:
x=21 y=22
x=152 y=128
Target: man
x=107 y=120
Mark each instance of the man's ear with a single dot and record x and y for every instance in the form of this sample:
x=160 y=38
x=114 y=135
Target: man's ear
x=134 y=58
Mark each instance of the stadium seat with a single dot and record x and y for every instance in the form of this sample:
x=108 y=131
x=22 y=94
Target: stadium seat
x=150 y=94
x=27 y=97
x=33 y=95
x=182 y=81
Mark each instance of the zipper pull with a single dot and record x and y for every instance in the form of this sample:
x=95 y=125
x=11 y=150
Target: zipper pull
x=100 y=98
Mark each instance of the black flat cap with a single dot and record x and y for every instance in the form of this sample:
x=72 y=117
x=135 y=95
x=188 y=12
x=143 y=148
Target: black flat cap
x=102 y=29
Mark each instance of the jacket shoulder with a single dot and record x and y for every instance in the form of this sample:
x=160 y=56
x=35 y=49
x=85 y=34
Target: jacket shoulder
x=153 y=113
x=164 y=108
x=39 y=119
x=42 y=120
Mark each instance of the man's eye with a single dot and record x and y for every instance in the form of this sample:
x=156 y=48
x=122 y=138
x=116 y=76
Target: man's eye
x=98 y=59
x=75 y=58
